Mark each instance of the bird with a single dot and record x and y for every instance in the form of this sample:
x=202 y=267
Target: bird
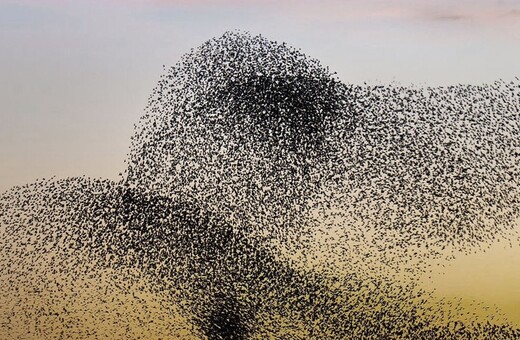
x=263 y=197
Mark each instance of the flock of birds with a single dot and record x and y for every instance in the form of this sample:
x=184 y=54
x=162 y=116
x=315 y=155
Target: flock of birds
x=264 y=198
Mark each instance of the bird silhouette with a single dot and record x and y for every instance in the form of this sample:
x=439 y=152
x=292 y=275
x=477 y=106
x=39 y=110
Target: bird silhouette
x=265 y=198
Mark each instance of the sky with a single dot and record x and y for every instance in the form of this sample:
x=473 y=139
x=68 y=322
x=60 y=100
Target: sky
x=76 y=75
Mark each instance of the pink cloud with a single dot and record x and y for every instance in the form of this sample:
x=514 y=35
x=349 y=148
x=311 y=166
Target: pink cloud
x=481 y=11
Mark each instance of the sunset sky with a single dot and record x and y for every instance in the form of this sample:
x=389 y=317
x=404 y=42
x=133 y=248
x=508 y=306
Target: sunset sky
x=76 y=75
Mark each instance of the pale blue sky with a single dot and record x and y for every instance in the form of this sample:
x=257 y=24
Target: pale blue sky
x=76 y=75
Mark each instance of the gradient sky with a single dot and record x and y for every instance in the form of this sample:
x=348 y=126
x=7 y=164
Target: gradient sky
x=76 y=75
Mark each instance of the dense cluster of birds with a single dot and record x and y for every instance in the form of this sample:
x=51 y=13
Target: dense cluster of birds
x=264 y=198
